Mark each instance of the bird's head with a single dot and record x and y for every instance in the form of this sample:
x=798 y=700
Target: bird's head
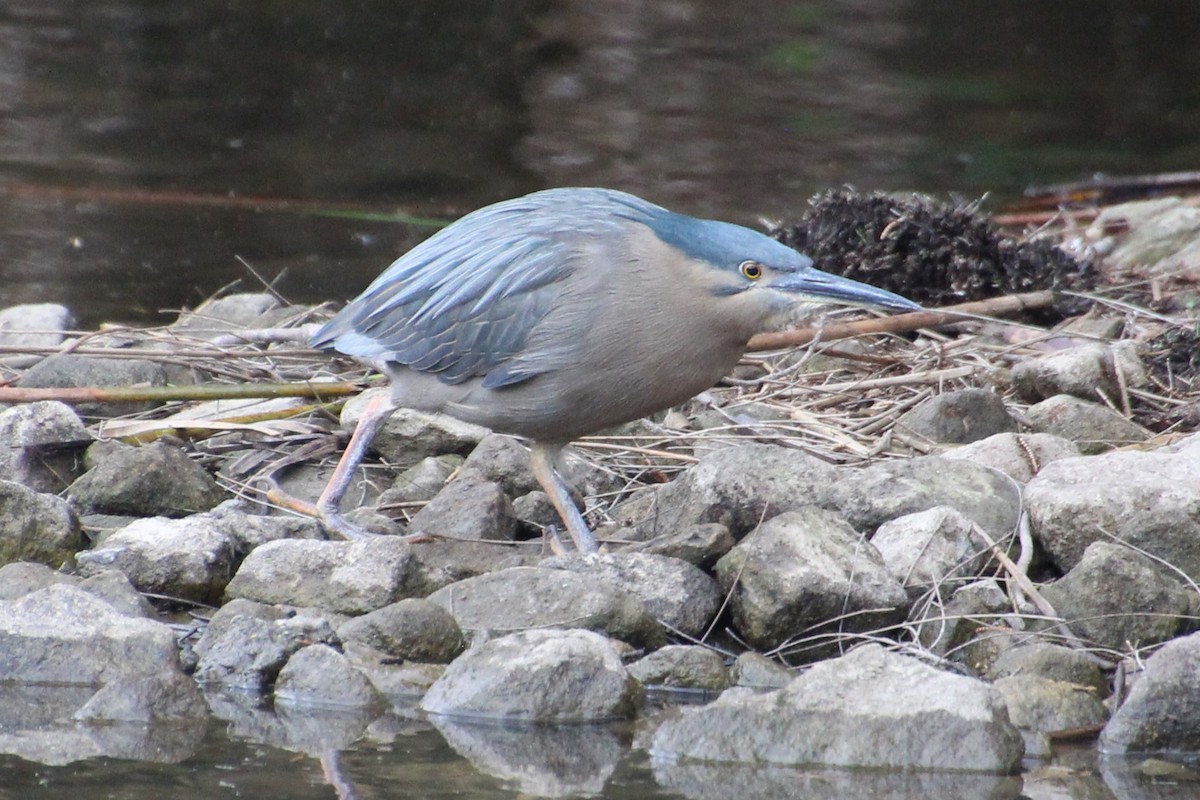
x=737 y=262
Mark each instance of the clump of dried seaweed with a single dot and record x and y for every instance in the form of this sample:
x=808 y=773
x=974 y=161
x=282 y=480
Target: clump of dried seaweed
x=933 y=252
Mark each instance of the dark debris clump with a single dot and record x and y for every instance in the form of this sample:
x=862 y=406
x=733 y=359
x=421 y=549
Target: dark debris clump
x=933 y=252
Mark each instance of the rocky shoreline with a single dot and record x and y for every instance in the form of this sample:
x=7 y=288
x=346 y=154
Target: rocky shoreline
x=1026 y=572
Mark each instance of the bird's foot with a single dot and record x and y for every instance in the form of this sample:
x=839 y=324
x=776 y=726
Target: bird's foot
x=331 y=519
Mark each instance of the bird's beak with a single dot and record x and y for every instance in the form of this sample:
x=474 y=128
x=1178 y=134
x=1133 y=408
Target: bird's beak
x=812 y=284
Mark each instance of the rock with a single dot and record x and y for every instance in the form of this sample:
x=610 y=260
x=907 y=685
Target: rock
x=248 y=530
x=677 y=594
x=946 y=630
x=32 y=325
x=1093 y=427
x=411 y=629
x=1118 y=598
x=19 y=578
x=530 y=597
x=468 y=509
x=967 y=415
x=41 y=445
x=1052 y=662
x=501 y=459
x=1154 y=232
x=1072 y=500
x=62 y=634
x=1162 y=712
x=701 y=545
x=153 y=480
x=1089 y=371
x=420 y=482
x=537 y=676
x=807 y=574
x=167 y=696
x=390 y=675
x=348 y=577
x=247 y=644
x=1046 y=706
x=409 y=435
x=190 y=558
x=223 y=314
x=37 y=527
x=1018 y=455
x=733 y=486
x=319 y=675
x=535 y=512
x=869 y=708
x=924 y=549
x=682 y=666
x=73 y=371
x=869 y=497
x=755 y=671
x=114 y=588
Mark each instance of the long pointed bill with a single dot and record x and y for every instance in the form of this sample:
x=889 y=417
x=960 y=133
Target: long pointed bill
x=812 y=284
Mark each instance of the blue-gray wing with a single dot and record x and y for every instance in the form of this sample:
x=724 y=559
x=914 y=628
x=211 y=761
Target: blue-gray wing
x=462 y=303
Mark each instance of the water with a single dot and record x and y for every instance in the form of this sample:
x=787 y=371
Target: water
x=146 y=146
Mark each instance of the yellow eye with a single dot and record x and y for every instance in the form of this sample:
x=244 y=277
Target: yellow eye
x=751 y=270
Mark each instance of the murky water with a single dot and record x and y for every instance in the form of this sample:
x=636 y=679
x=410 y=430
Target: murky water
x=148 y=146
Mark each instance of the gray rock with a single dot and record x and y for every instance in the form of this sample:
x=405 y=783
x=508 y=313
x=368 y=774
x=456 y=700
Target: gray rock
x=409 y=436
x=755 y=671
x=191 y=558
x=19 y=578
x=153 y=480
x=1089 y=371
x=468 y=509
x=870 y=708
x=924 y=549
x=1118 y=598
x=1162 y=712
x=411 y=629
x=679 y=595
x=1071 y=501
x=530 y=597
x=319 y=675
x=388 y=674
x=248 y=530
x=808 y=574
x=682 y=666
x=1018 y=455
x=534 y=511
x=41 y=445
x=223 y=314
x=701 y=545
x=1053 y=662
x=349 y=577
x=946 y=630
x=114 y=588
x=247 y=644
x=537 y=676
x=62 y=634
x=501 y=459
x=33 y=325
x=733 y=486
x=869 y=497
x=420 y=482
x=1046 y=706
x=967 y=415
x=1093 y=427
x=36 y=527
x=166 y=696
x=1153 y=234
x=69 y=371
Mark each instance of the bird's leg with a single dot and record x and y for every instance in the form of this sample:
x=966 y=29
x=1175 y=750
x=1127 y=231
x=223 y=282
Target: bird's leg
x=543 y=457
x=329 y=503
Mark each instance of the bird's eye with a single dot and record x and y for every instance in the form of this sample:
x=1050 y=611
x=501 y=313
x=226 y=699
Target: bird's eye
x=751 y=270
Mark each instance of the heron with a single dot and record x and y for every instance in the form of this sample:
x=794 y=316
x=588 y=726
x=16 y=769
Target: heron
x=564 y=312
